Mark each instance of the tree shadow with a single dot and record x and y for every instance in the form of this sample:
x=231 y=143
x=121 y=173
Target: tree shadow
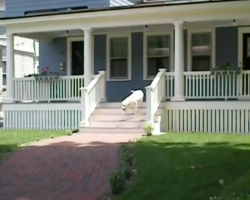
x=65 y=170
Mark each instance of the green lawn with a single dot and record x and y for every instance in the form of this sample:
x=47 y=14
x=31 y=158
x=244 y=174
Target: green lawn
x=11 y=139
x=191 y=167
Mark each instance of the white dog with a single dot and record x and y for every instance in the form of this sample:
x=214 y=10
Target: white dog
x=135 y=99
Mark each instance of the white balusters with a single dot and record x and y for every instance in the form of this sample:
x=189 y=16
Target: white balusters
x=48 y=88
x=213 y=116
x=53 y=116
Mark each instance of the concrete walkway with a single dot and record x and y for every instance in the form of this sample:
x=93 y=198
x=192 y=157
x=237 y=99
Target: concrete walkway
x=66 y=168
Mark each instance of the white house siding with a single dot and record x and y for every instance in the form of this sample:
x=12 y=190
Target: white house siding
x=24 y=65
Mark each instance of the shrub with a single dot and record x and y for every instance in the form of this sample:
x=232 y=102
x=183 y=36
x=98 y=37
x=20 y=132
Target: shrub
x=148 y=129
x=127 y=171
x=128 y=158
x=117 y=182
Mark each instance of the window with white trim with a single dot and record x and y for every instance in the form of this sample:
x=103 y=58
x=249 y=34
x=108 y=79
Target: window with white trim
x=119 y=58
x=201 y=51
x=157 y=54
x=4 y=74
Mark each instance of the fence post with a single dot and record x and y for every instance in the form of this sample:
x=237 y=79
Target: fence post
x=104 y=98
x=84 y=106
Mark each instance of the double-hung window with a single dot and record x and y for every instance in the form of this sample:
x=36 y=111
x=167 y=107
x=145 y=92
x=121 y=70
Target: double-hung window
x=201 y=51
x=119 y=58
x=158 y=54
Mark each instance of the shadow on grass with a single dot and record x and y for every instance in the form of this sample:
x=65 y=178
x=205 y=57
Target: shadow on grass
x=5 y=149
x=186 y=170
x=65 y=170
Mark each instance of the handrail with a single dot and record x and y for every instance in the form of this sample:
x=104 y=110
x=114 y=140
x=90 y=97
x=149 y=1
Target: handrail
x=155 y=92
x=92 y=83
x=91 y=95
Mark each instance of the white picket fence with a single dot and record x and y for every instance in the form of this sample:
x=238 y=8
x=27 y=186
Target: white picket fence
x=42 y=116
x=208 y=116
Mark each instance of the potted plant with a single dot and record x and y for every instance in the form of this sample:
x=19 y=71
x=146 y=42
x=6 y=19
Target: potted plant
x=45 y=75
x=225 y=68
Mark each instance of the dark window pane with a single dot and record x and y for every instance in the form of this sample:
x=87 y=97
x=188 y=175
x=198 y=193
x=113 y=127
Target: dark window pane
x=119 y=47
x=154 y=64
x=4 y=67
x=118 y=68
x=201 y=39
x=4 y=79
x=201 y=63
x=158 y=45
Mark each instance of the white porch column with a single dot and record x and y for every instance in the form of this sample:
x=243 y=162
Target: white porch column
x=1 y=71
x=10 y=68
x=179 y=62
x=87 y=56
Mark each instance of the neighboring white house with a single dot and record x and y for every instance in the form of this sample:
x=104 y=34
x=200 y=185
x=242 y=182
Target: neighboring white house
x=26 y=60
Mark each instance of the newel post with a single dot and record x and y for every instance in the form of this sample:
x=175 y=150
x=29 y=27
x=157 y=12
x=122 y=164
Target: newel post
x=104 y=97
x=149 y=102
x=163 y=81
x=84 y=106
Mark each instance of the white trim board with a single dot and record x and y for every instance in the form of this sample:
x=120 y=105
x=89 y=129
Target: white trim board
x=130 y=17
x=117 y=35
x=69 y=41
x=241 y=31
x=189 y=33
x=155 y=33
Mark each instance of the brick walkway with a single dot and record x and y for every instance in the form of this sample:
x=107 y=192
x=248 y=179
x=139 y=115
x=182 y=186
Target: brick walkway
x=67 y=168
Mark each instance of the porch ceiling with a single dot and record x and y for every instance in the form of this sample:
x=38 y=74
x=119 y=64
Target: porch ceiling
x=48 y=36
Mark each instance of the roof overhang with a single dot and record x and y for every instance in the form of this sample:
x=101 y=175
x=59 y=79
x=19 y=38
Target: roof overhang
x=163 y=14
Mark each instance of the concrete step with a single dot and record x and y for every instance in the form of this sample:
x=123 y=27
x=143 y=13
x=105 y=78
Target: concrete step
x=117 y=117
x=105 y=130
x=121 y=124
x=117 y=111
x=114 y=105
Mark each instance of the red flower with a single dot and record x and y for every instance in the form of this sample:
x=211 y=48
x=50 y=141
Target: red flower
x=47 y=68
x=228 y=63
x=222 y=63
x=43 y=69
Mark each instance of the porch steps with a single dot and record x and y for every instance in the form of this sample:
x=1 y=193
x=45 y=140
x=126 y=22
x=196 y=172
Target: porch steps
x=110 y=118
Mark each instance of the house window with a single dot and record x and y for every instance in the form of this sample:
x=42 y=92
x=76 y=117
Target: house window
x=4 y=74
x=157 y=54
x=119 y=58
x=201 y=51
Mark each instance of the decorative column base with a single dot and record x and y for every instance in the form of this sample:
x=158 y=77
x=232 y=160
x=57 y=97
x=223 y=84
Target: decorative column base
x=84 y=124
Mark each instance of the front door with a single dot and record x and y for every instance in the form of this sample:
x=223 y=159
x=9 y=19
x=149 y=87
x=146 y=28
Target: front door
x=246 y=51
x=77 y=58
x=77 y=67
x=246 y=64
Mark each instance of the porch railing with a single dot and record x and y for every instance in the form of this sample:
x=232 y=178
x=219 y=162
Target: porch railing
x=203 y=85
x=155 y=94
x=91 y=95
x=48 y=89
